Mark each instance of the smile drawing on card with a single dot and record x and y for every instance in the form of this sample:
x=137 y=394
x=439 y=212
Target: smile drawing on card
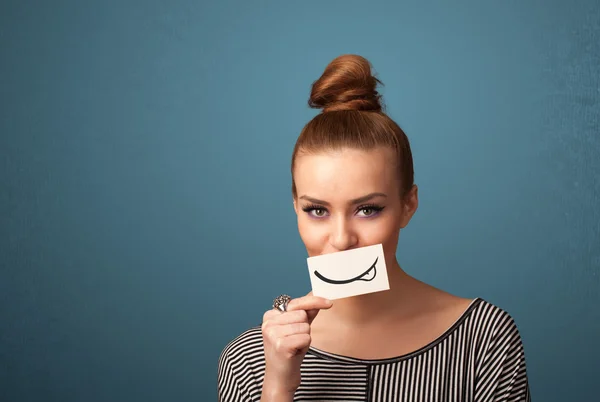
x=348 y=273
x=362 y=277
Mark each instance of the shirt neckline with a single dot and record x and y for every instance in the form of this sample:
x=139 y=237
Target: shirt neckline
x=347 y=359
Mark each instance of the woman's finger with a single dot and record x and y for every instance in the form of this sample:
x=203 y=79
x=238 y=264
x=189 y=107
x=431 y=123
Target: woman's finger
x=309 y=303
x=274 y=333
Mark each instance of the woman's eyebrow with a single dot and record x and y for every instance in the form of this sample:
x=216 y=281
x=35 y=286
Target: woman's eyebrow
x=355 y=201
x=367 y=197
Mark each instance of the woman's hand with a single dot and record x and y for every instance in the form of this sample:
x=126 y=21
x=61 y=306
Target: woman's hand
x=286 y=338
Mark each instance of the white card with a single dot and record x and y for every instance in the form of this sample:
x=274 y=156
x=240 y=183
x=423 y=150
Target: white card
x=348 y=273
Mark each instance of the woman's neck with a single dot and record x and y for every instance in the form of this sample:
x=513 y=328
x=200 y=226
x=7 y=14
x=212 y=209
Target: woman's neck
x=371 y=308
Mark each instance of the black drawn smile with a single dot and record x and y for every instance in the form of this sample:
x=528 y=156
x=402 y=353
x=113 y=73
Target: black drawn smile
x=356 y=278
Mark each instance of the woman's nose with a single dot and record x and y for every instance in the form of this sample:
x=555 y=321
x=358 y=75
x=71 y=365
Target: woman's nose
x=343 y=236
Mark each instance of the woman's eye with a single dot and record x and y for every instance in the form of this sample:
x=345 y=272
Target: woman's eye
x=368 y=211
x=315 y=211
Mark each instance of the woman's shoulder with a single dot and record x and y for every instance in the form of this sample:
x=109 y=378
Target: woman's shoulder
x=243 y=346
x=489 y=315
x=491 y=325
x=241 y=366
x=477 y=313
x=500 y=354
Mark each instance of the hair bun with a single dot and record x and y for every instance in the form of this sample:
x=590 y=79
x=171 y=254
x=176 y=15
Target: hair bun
x=346 y=84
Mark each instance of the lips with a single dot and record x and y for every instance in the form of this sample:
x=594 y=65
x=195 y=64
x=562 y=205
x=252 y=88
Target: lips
x=366 y=276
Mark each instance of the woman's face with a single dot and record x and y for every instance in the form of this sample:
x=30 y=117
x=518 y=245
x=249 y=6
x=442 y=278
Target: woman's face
x=350 y=198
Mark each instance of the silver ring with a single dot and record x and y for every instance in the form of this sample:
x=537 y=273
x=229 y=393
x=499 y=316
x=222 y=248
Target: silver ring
x=280 y=303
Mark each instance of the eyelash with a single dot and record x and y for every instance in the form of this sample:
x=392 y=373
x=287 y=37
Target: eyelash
x=376 y=209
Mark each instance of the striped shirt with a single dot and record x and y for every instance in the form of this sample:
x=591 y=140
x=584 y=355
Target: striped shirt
x=479 y=358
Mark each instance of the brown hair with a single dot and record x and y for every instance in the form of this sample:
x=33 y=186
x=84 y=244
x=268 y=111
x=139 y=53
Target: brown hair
x=352 y=116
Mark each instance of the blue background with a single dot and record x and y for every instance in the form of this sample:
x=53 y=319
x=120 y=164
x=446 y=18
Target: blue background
x=146 y=214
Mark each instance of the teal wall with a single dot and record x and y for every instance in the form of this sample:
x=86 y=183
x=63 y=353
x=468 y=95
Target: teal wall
x=145 y=206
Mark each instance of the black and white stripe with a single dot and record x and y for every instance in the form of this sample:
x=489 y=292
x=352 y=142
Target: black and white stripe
x=480 y=358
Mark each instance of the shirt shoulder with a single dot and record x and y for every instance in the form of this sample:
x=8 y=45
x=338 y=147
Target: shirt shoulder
x=241 y=367
x=501 y=369
x=247 y=345
x=490 y=321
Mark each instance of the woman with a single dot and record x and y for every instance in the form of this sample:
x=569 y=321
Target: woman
x=411 y=343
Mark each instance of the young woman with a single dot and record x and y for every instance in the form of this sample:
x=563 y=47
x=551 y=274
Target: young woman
x=352 y=187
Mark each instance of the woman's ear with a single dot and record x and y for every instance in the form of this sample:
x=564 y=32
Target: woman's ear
x=295 y=206
x=410 y=204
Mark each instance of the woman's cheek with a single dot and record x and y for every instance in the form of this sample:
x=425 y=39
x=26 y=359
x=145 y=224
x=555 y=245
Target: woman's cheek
x=376 y=231
x=312 y=235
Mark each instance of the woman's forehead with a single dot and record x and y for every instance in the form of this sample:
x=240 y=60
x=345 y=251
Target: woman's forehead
x=347 y=171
